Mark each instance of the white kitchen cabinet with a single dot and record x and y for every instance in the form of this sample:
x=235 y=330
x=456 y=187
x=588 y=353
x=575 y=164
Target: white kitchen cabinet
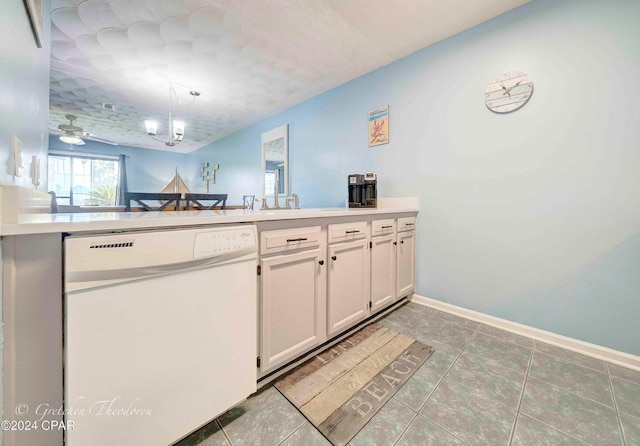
x=292 y=306
x=319 y=280
x=406 y=266
x=406 y=224
x=289 y=240
x=348 y=289
x=347 y=232
x=383 y=271
x=383 y=263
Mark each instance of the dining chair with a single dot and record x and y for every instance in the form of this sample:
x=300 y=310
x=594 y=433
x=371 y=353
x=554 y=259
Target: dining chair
x=142 y=198
x=54 y=202
x=247 y=201
x=197 y=199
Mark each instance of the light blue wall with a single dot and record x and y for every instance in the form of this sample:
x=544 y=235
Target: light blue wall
x=147 y=170
x=240 y=160
x=532 y=216
x=24 y=90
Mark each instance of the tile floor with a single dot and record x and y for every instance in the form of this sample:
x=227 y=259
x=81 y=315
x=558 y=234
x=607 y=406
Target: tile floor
x=482 y=386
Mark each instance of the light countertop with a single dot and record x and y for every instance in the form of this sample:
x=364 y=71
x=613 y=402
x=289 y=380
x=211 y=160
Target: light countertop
x=114 y=221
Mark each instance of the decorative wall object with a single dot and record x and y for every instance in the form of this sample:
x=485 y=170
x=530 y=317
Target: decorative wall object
x=275 y=161
x=379 y=126
x=35 y=10
x=508 y=92
x=208 y=173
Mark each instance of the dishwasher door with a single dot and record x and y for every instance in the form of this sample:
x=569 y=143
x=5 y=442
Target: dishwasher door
x=160 y=332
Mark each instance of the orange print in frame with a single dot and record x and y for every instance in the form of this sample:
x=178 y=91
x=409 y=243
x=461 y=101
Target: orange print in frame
x=379 y=126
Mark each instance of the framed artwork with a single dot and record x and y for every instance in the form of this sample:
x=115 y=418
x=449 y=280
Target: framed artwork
x=35 y=10
x=379 y=126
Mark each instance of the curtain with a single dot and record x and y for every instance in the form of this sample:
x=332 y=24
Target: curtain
x=123 y=186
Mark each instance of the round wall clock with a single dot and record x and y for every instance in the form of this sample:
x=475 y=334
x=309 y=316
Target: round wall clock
x=508 y=92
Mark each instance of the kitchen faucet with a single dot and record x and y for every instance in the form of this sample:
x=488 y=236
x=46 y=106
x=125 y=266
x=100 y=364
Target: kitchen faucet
x=264 y=205
x=287 y=202
x=276 y=205
x=276 y=186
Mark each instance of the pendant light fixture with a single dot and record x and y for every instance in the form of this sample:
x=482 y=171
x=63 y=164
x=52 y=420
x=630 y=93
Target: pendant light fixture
x=175 y=128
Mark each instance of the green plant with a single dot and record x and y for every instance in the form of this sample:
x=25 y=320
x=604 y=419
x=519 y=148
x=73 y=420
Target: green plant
x=102 y=196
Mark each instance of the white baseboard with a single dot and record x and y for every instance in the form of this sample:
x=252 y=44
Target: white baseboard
x=586 y=348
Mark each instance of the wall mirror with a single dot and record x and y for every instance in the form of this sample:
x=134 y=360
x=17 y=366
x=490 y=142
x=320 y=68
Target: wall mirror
x=275 y=161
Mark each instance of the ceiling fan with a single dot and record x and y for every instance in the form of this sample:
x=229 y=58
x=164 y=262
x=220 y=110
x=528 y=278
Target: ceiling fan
x=72 y=134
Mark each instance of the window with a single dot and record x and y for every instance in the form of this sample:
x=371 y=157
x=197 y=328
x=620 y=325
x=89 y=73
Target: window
x=81 y=180
x=269 y=181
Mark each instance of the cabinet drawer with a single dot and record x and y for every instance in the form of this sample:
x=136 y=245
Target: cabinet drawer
x=283 y=240
x=382 y=227
x=343 y=232
x=406 y=224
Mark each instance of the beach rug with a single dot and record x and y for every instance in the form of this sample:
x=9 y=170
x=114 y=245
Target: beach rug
x=341 y=389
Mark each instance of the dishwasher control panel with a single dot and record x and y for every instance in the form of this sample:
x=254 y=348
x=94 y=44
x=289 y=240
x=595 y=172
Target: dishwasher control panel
x=222 y=241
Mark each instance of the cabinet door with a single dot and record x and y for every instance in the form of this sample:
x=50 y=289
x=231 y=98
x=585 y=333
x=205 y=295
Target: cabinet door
x=406 y=272
x=293 y=306
x=348 y=296
x=383 y=271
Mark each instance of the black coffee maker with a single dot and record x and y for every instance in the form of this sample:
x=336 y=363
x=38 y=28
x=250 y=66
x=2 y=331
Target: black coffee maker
x=362 y=190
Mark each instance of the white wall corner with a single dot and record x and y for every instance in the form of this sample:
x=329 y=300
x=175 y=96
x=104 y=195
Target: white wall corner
x=596 y=351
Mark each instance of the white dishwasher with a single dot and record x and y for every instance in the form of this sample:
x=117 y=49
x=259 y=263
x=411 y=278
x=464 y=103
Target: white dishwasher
x=160 y=332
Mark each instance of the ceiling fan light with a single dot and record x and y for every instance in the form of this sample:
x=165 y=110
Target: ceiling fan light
x=151 y=126
x=70 y=139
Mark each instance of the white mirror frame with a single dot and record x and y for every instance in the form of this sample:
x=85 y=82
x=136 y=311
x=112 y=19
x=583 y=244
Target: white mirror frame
x=272 y=135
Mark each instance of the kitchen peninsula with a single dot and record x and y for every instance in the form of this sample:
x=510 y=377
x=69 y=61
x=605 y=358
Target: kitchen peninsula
x=337 y=266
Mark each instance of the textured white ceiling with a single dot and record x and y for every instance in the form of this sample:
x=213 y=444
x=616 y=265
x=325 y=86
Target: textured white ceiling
x=248 y=58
